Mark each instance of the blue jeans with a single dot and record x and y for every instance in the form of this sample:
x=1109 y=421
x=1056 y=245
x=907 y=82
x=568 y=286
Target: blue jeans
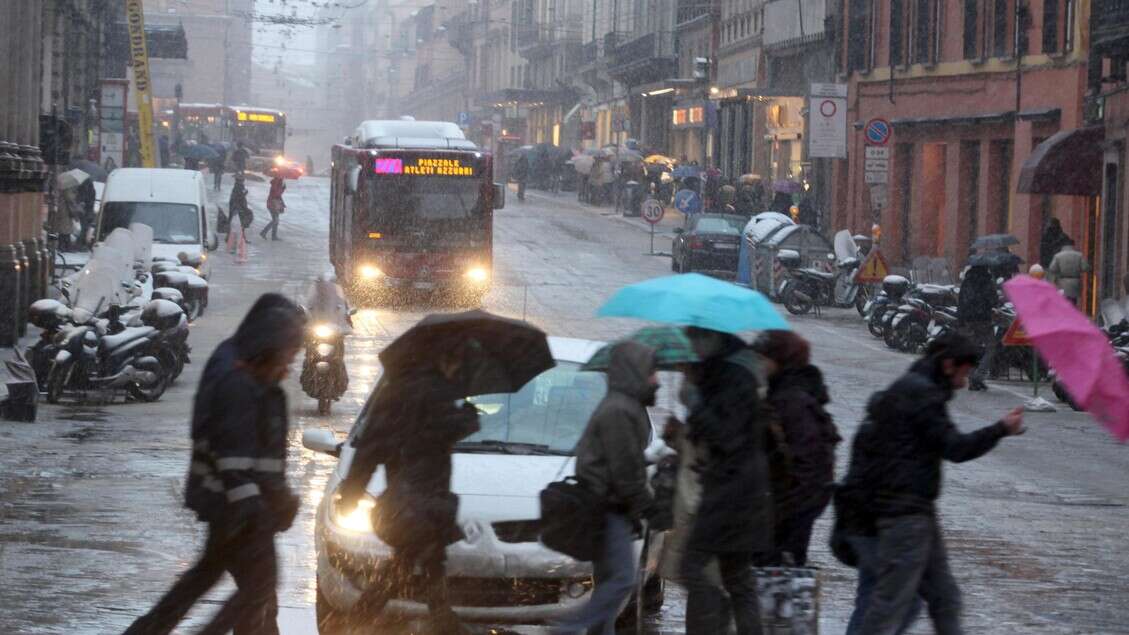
x=867 y=549
x=615 y=576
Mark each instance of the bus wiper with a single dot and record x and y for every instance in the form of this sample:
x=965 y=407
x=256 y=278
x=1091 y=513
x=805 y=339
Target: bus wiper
x=507 y=447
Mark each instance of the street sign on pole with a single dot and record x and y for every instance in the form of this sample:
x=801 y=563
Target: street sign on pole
x=652 y=211
x=828 y=121
x=877 y=177
x=878 y=132
x=877 y=152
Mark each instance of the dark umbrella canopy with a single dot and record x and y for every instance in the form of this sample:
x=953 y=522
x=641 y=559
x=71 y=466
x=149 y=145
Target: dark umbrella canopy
x=995 y=241
x=995 y=259
x=94 y=170
x=497 y=354
x=200 y=152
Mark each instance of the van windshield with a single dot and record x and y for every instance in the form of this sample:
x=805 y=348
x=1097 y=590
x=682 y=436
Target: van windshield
x=172 y=223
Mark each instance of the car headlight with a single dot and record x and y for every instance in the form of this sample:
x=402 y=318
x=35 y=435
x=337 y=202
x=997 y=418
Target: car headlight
x=369 y=272
x=279 y=160
x=477 y=274
x=358 y=520
x=324 y=331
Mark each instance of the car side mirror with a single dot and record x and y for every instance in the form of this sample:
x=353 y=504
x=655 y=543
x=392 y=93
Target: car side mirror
x=321 y=440
x=213 y=241
x=499 y=196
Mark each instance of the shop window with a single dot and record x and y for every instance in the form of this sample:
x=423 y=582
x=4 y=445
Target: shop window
x=697 y=114
x=679 y=116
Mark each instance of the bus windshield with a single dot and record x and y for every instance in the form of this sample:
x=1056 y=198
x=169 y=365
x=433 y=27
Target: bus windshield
x=172 y=223
x=396 y=199
x=262 y=136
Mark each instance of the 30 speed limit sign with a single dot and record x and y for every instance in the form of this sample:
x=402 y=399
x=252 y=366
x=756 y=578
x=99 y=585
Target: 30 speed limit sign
x=652 y=211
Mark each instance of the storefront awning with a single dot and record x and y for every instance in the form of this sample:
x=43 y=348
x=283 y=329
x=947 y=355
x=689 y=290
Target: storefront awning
x=1069 y=162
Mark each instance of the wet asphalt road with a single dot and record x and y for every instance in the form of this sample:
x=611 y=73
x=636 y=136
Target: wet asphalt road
x=92 y=530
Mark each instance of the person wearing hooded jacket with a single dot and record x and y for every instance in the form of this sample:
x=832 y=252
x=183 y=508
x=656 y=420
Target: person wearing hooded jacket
x=237 y=477
x=977 y=300
x=412 y=429
x=798 y=395
x=733 y=525
x=910 y=437
x=611 y=464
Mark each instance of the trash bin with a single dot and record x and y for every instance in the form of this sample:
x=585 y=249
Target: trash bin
x=21 y=402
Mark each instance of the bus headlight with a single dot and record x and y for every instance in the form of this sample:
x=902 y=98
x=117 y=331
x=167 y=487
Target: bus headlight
x=369 y=272
x=324 y=331
x=280 y=160
x=477 y=275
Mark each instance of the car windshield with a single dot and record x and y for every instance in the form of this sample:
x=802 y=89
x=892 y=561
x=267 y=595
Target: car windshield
x=547 y=415
x=172 y=223
x=720 y=225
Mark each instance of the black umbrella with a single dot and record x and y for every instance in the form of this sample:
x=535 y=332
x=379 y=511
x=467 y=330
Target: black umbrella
x=994 y=259
x=498 y=354
x=91 y=168
x=995 y=241
x=200 y=152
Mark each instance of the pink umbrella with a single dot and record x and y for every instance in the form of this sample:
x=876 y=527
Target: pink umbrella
x=1077 y=350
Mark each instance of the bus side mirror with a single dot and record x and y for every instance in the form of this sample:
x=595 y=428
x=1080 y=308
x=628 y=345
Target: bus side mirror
x=499 y=195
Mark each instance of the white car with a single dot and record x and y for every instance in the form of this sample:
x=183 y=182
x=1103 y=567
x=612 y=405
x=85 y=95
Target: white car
x=499 y=573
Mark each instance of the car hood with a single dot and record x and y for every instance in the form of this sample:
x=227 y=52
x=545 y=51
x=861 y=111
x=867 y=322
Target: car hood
x=493 y=487
x=172 y=251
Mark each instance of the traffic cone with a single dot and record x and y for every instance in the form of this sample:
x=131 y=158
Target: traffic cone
x=231 y=240
x=241 y=256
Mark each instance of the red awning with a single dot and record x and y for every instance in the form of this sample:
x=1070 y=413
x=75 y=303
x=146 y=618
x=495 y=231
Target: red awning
x=1070 y=162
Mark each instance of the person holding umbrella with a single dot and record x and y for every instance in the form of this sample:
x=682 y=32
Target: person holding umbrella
x=418 y=414
x=216 y=164
x=977 y=300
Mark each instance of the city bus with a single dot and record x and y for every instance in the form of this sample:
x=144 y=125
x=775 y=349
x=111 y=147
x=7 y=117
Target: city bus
x=261 y=130
x=412 y=208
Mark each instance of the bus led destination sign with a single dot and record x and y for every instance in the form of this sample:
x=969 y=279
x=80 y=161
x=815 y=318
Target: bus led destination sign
x=422 y=167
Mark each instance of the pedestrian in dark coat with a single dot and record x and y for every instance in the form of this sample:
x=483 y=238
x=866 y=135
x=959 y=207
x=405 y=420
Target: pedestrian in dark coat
x=239 y=158
x=798 y=395
x=217 y=164
x=1053 y=240
x=412 y=429
x=237 y=478
x=521 y=174
x=86 y=197
x=734 y=520
x=275 y=205
x=977 y=300
x=610 y=463
x=912 y=436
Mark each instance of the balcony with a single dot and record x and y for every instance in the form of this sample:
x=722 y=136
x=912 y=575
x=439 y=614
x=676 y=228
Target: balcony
x=1109 y=21
x=786 y=27
x=535 y=40
x=650 y=57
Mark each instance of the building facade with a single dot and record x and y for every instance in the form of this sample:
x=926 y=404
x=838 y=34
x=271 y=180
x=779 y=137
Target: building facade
x=968 y=96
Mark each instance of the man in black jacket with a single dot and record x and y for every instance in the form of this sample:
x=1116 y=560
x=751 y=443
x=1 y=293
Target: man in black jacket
x=978 y=299
x=237 y=477
x=912 y=435
x=610 y=463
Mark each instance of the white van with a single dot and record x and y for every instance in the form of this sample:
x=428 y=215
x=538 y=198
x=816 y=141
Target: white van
x=172 y=202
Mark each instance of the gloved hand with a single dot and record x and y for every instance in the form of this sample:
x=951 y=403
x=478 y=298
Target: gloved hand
x=247 y=515
x=288 y=511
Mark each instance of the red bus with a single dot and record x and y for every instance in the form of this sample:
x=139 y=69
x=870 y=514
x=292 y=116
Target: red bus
x=412 y=208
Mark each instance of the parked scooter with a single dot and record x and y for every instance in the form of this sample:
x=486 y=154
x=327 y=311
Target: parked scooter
x=89 y=358
x=324 y=375
x=808 y=288
x=907 y=328
x=886 y=301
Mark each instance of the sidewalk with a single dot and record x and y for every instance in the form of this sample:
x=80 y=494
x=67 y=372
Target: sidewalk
x=673 y=218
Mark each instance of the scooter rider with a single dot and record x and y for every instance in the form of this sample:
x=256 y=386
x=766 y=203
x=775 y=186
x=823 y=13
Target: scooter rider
x=331 y=320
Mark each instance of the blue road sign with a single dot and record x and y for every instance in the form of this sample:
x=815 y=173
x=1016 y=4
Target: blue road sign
x=687 y=202
x=463 y=119
x=878 y=132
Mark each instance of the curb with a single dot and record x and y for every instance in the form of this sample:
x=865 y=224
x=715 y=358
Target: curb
x=661 y=229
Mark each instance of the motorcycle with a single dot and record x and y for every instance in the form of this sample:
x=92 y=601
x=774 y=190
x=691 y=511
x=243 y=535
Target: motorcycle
x=324 y=375
x=888 y=299
x=908 y=326
x=88 y=357
x=808 y=288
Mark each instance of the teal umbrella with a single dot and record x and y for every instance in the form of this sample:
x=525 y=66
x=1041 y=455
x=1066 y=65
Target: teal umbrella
x=691 y=299
x=670 y=344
